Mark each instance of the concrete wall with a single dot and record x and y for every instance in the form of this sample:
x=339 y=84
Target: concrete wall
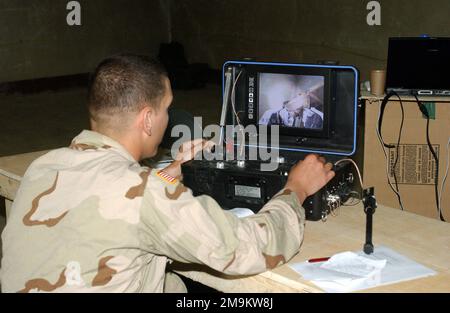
x=35 y=40
x=301 y=30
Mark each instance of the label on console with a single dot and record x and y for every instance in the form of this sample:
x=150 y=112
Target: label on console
x=247 y=191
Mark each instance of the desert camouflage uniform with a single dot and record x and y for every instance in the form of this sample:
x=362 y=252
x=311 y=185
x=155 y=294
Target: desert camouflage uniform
x=89 y=218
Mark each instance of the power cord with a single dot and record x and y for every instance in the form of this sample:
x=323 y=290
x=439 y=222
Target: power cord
x=359 y=176
x=383 y=145
x=424 y=111
x=445 y=177
x=397 y=148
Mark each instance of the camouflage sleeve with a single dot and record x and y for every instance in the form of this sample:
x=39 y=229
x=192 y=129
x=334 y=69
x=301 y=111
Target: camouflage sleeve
x=197 y=230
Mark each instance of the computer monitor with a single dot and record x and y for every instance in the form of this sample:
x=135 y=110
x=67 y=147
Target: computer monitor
x=313 y=105
x=419 y=65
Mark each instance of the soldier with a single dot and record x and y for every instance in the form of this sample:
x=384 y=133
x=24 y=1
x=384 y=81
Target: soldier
x=90 y=218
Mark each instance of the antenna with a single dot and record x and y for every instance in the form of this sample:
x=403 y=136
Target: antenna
x=226 y=96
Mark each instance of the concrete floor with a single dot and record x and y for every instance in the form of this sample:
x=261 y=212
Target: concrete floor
x=50 y=120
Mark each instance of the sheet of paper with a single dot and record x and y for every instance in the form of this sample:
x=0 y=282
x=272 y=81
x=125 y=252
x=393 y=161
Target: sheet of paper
x=350 y=271
x=353 y=264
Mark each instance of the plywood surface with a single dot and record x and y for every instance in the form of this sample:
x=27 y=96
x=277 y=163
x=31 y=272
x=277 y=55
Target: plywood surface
x=422 y=239
x=12 y=168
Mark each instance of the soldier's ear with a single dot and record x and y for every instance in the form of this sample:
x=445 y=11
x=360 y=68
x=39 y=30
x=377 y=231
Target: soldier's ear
x=147 y=115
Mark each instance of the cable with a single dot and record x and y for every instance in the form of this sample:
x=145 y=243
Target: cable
x=233 y=89
x=385 y=155
x=445 y=177
x=397 y=148
x=357 y=170
x=232 y=101
x=424 y=111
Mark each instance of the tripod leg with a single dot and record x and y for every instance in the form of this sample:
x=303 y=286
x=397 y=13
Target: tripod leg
x=368 y=246
x=369 y=208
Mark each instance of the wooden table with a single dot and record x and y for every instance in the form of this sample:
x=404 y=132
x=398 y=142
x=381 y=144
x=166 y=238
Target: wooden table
x=12 y=168
x=422 y=239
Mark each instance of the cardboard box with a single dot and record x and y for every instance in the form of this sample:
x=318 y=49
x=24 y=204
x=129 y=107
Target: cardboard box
x=415 y=168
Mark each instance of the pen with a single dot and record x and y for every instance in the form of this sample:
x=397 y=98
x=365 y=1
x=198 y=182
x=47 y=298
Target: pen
x=318 y=260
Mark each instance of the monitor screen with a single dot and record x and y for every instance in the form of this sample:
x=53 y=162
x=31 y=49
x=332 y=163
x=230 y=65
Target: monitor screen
x=310 y=107
x=291 y=101
x=418 y=63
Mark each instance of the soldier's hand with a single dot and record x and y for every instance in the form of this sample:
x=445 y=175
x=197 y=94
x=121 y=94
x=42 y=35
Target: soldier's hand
x=187 y=152
x=309 y=176
x=190 y=149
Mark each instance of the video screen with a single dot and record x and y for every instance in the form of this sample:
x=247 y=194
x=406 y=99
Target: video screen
x=295 y=101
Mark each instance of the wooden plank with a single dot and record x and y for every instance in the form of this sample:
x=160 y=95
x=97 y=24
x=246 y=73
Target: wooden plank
x=255 y=283
x=8 y=204
x=8 y=186
x=366 y=95
x=12 y=168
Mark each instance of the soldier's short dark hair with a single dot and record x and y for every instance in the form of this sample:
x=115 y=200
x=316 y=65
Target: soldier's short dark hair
x=125 y=83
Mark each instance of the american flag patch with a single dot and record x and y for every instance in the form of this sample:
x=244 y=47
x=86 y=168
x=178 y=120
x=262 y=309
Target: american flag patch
x=166 y=177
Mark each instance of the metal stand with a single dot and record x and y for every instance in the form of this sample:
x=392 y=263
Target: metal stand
x=370 y=204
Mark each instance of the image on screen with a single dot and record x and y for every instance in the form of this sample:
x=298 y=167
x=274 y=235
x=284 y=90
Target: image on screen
x=294 y=101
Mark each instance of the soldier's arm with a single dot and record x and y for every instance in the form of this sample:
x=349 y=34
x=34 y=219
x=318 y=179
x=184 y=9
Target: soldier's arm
x=196 y=229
